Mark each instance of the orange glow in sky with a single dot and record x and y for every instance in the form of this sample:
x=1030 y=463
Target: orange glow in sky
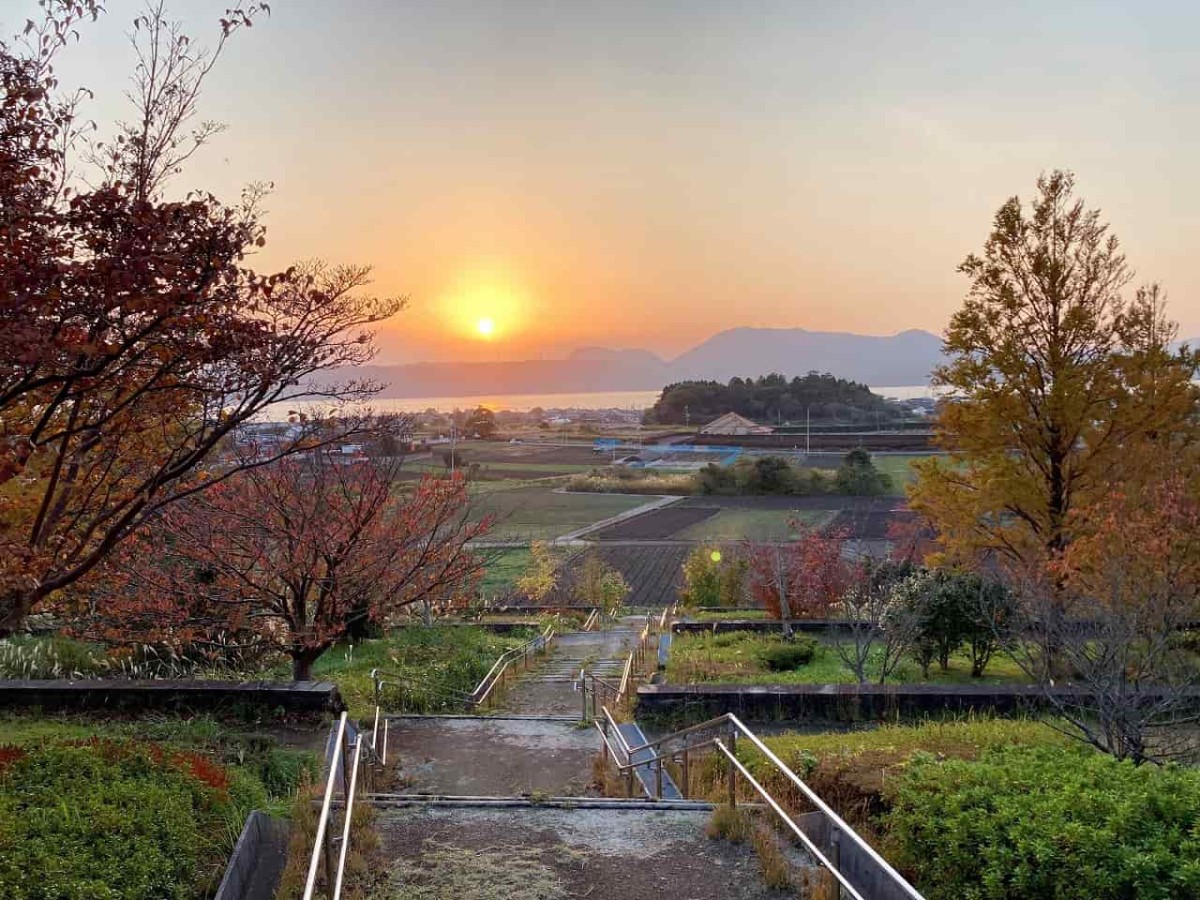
x=536 y=178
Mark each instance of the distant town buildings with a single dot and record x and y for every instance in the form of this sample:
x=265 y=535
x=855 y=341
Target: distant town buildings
x=732 y=423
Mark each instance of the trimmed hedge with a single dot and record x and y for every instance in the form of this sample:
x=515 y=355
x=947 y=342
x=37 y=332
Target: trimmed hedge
x=108 y=820
x=1043 y=822
x=788 y=656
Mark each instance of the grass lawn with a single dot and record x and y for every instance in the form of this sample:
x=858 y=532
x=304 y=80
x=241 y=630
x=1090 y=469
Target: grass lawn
x=733 y=657
x=432 y=667
x=536 y=512
x=754 y=524
x=723 y=615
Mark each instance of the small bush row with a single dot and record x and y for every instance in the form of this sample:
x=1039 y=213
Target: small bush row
x=1046 y=822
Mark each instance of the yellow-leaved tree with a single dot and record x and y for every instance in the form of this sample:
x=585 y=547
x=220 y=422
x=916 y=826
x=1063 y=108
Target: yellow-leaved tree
x=1058 y=382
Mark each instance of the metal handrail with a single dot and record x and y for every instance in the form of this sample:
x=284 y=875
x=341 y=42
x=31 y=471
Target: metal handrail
x=348 y=815
x=736 y=727
x=310 y=883
x=795 y=829
x=446 y=691
x=478 y=696
x=322 y=845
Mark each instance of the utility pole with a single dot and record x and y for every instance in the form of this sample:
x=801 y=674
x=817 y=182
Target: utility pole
x=453 y=443
x=807 y=431
x=687 y=417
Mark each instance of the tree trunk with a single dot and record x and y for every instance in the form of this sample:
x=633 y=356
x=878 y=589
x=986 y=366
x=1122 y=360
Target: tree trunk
x=302 y=662
x=14 y=607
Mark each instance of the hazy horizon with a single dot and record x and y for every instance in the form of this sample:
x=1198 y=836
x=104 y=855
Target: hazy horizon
x=645 y=176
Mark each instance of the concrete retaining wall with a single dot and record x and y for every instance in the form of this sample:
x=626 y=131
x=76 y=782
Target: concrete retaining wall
x=257 y=861
x=841 y=702
x=130 y=695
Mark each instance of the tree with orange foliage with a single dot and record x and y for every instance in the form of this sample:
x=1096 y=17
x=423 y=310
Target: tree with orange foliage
x=1057 y=379
x=134 y=340
x=1118 y=604
x=294 y=552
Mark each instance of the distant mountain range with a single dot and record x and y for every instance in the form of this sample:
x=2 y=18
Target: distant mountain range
x=898 y=359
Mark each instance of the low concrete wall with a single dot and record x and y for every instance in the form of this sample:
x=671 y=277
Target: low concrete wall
x=197 y=696
x=257 y=861
x=840 y=702
x=803 y=626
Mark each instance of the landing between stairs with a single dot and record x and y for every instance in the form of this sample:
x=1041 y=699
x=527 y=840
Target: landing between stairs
x=492 y=756
x=545 y=853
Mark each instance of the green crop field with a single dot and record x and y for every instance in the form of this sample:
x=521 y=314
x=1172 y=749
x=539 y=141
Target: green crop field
x=535 y=512
x=754 y=524
x=503 y=569
x=899 y=467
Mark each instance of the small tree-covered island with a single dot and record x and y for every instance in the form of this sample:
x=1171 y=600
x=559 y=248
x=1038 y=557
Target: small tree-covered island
x=277 y=620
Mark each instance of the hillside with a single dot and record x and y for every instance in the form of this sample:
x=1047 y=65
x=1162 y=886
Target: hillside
x=899 y=359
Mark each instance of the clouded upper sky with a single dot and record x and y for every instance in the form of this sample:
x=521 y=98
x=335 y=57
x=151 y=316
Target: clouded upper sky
x=647 y=174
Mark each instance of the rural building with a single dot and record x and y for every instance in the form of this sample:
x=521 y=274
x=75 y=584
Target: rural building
x=732 y=423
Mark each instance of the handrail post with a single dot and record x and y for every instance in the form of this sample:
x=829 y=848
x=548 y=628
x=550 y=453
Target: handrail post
x=583 y=692
x=658 y=779
x=383 y=758
x=732 y=786
x=686 y=774
x=327 y=852
x=835 y=852
x=345 y=760
x=732 y=771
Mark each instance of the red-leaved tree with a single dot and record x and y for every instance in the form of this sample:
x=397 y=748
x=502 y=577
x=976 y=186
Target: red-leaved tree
x=134 y=339
x=803 y=579
x=293 y=553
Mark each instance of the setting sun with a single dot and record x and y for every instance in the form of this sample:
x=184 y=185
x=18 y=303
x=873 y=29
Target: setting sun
x=485 y=326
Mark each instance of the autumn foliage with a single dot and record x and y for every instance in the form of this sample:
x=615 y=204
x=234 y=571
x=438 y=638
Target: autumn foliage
x=804 y=579
x=1060 y=380
x=290 y=555
x=135 y=341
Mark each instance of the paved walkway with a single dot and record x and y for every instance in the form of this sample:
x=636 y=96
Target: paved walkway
x=537 y=748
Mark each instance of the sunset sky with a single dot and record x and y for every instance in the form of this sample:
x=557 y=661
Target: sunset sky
x=647 y=174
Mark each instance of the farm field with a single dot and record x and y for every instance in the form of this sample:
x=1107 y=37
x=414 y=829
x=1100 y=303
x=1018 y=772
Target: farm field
x=504 y=567
x=701 y=519
x=899 y=467
x=654 y=572
x=537 y=512
x=658 y=524
x=754 y=524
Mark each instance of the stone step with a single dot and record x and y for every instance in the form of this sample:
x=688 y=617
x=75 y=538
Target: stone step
x=388 y=800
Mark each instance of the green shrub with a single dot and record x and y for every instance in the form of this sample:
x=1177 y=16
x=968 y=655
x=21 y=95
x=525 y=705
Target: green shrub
x=788 y=655
x=108 y=821
x=1047 y=823
x=858 y=476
